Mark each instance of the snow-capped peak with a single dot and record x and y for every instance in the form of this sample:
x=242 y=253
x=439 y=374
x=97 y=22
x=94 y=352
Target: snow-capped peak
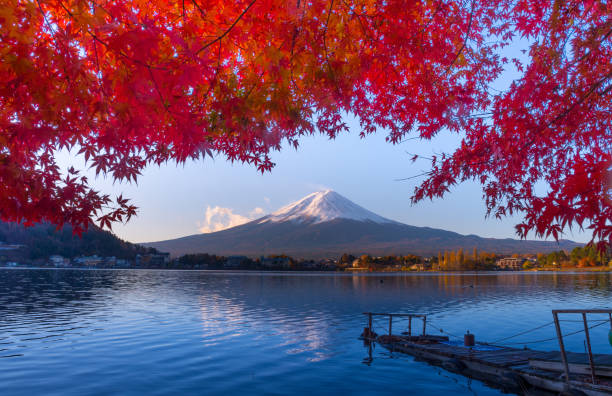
x=323 y=206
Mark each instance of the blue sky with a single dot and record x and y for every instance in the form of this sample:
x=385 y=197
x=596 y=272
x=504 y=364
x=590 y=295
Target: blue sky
x=208 y=194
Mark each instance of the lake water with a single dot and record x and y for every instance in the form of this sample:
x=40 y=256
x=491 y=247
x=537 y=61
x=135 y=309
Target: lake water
x=129 y=332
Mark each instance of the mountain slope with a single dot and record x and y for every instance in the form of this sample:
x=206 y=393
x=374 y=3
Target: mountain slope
x=325 y=224
x=43 y=240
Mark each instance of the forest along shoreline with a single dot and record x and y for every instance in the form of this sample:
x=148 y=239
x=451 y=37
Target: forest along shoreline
x=580 y=258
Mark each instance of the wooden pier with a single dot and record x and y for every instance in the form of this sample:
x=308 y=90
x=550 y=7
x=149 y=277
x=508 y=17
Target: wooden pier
x=521 y=371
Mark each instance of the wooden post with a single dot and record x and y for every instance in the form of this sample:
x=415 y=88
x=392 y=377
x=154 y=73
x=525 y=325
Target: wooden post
x=561 y=346
x=588 y=341
x=370 y=323
x=390 y=323
x=409 y=326
x=424 y=323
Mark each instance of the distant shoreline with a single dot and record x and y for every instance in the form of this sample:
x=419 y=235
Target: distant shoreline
x=236 y=271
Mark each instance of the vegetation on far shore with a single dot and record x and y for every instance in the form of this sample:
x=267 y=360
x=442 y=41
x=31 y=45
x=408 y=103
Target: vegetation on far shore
x=579 y=258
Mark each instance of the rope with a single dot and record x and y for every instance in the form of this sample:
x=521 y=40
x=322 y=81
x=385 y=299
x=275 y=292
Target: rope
x=601 y=322
x=378 y=328
x=554 y=338
x=522 y=332
x=443 y=332
x=581 y=321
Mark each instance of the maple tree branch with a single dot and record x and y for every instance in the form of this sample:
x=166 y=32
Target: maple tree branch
x=604 y=38
x=99 y=75
x=415 y=176
x=214 y=80
x=45 y=18
x=352 y=9
x=200 y=10
x=331 y=4
x=467 y=36
x=467 y=172
x=137 y=61
x=416 y=156
x=433 y=16
x=363 y=27
x=331 y=70
x=564 y=113
x=161 y=98
x=295 y=34
x=560 y=116
x=410 y=138
x=96 y=38
x=226 y=32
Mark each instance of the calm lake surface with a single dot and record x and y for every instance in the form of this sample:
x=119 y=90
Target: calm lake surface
x=99 y=332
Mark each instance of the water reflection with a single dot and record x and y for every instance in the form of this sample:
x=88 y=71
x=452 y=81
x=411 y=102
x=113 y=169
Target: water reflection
x=163 y=332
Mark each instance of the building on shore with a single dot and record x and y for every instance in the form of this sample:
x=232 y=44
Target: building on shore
x=160 y=259
x=275 y=262
x=510 y=263
x=59 y=261
x=417 y=267
x=88 y=261
x=235 y=262
x=122 y=263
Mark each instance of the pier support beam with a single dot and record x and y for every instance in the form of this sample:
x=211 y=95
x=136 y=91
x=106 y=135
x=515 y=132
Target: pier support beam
x=584 y=313
x=588 y=341
x=561 y=346
x=410 y=326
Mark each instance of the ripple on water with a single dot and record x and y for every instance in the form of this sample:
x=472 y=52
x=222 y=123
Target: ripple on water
x=76 y=332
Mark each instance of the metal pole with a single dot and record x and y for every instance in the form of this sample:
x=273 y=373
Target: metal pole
x=561 y=346
x=588 y=340
x=409 y=326
x=390 y=323
x=424 y=323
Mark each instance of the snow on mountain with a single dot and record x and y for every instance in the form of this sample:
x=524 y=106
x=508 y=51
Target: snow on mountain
x=320 y=207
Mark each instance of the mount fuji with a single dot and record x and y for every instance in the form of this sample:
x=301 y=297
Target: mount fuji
x=320 y=207
x=325 y=224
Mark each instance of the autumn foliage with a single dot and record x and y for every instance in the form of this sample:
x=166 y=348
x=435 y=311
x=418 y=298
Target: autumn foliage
x=132 y=83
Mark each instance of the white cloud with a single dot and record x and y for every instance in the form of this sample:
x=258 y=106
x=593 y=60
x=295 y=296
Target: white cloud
x=257 y=212
x=218 y=218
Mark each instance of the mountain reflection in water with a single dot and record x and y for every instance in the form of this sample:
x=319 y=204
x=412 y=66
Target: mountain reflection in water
x=65 y=332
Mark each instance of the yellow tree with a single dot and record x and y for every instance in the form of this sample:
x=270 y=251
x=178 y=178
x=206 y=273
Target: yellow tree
x=460 y=258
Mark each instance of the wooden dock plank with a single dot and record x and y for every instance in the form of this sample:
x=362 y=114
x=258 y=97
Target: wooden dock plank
x=502 y=357
x=509 y=369
x=499 y=367
x=576 y=358
x=507 y=357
